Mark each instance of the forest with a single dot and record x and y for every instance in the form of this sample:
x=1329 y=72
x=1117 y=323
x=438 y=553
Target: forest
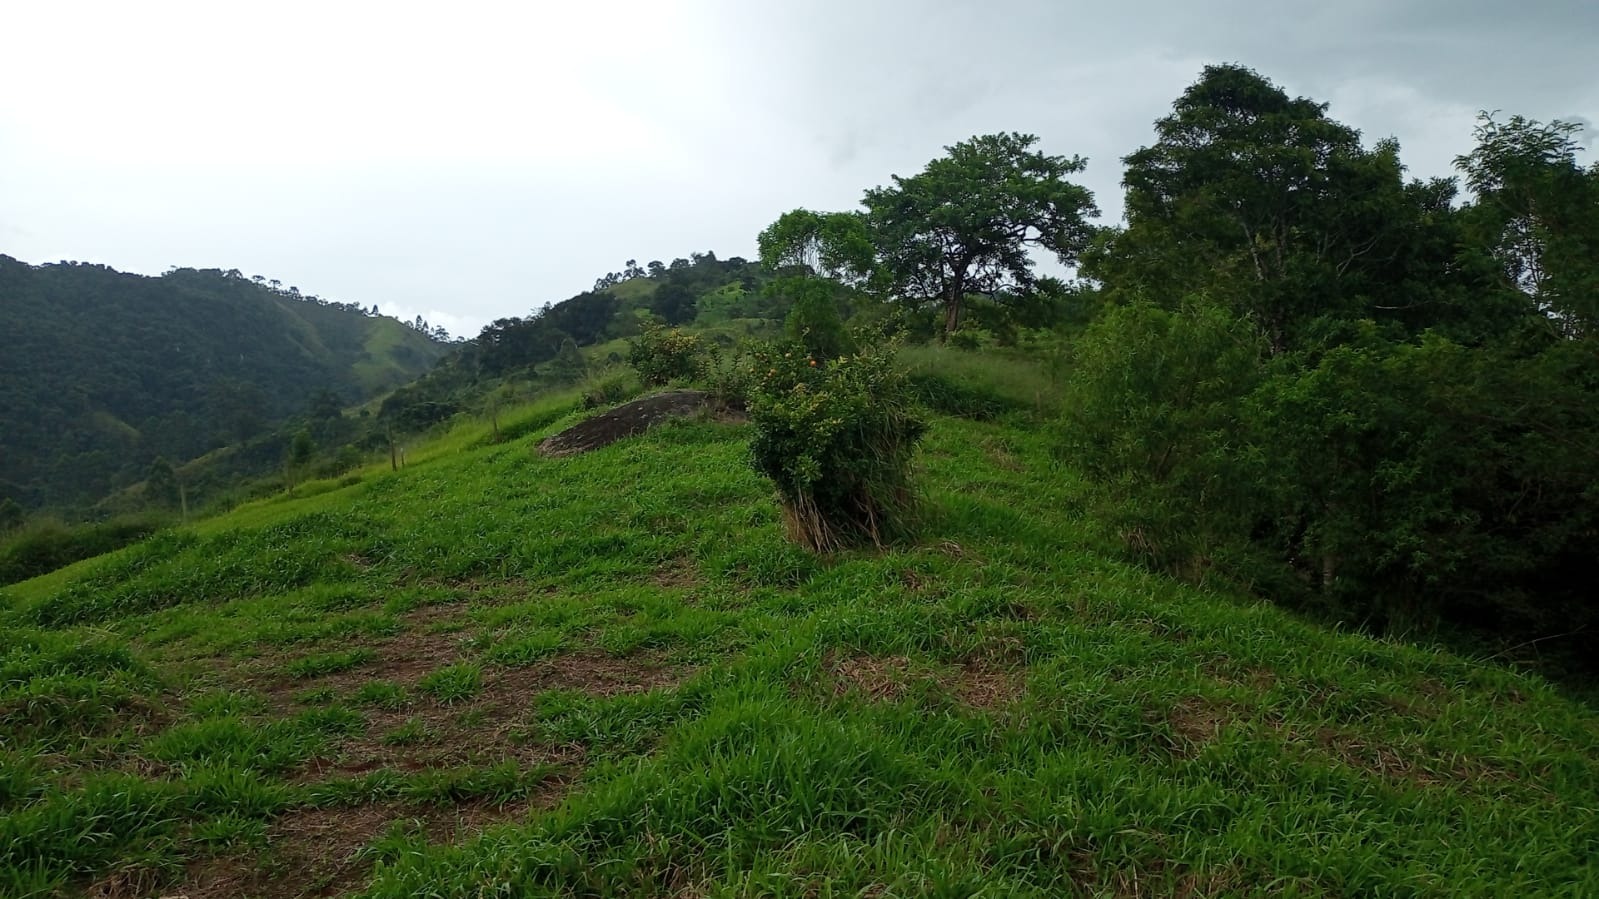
x=105 y=372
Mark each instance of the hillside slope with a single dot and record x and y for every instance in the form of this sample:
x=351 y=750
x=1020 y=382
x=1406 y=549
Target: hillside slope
x=498 y=674
x=102 y=370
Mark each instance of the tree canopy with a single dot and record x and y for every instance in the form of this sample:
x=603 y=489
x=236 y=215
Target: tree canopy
x=965 y=224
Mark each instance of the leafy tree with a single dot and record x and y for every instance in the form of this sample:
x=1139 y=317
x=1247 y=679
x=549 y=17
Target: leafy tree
x=1537 y=211
x=965 y=224
x=674 y=301
x=325 y=405
x=813 y=319
x=568 y=366
x=836 y=245
x=161 y=485
x=12 y=515
x=1263 y=203
x=301 y=451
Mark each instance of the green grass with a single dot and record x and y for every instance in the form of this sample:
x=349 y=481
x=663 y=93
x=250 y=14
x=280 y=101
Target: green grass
x=618 y=669
x=453 y=684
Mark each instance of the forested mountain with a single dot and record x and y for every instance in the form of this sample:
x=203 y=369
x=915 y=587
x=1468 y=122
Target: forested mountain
x=103 y=371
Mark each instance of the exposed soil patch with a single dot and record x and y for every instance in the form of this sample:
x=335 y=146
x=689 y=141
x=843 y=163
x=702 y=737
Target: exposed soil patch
x=1368 y=755
x=879 y=678
x=676 y=573
x=1197 y=721
x=317 y=852
x=628 y=420
x=426 y=645
x=982 y=684
x=1002 y=457
x=490 y=727
x=979 y=682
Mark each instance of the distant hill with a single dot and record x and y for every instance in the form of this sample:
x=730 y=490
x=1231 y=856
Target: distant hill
x=102 y=371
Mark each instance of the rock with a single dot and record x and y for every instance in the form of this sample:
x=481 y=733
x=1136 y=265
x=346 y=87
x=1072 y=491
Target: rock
x=627 y=420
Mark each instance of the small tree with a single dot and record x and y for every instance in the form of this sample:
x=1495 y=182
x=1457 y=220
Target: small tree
x=12 y=515
x=301 y=451
x=161 y=485
x=568 y=366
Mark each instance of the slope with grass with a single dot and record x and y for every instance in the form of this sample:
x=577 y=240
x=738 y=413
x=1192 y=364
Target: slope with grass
x=494 y=673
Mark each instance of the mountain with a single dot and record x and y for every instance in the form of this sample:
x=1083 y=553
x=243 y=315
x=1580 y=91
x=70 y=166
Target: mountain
x=102 y=371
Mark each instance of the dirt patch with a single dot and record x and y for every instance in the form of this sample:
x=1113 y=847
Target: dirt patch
x=491 y=727
x=1197 y=721
x=628 y=420
x=978 y=682
x=982 y=684
x=878 y=678
x=318 y=852
x=678 y=573
x=1002 y=457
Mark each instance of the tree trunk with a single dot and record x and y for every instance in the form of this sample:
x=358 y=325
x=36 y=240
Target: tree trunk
x=952 y=315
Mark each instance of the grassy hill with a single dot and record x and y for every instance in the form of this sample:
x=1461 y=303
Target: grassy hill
x=103 y=370
x=492 y=673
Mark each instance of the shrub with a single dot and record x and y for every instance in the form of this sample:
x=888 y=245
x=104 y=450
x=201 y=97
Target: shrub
x=837 y=439
x=607 y=391
x=1153 y=415
x=663 y=355
x=46 y=544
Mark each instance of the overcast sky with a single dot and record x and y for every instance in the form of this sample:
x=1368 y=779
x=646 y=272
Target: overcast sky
x=467 y=161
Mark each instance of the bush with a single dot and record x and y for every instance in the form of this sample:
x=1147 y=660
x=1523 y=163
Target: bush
x=44 y=545
x=837 y=439
x=607 y=391
x=663 y=355
x=1153 y=415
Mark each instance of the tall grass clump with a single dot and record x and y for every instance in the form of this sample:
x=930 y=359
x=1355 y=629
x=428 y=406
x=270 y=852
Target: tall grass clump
x=837 y=438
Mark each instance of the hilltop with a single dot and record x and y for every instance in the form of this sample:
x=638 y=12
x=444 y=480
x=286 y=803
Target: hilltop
x=1248 y=564
x=104 y=371
x=612 y=674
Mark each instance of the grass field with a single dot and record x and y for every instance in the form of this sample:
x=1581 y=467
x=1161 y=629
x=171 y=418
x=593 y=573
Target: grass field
x=493 y=674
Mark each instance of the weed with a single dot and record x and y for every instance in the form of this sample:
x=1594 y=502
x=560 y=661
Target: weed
x=454 y=683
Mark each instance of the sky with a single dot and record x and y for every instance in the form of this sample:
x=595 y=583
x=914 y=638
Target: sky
x=468 y=161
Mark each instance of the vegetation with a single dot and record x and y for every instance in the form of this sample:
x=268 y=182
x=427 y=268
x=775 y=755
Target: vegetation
x=661 y=356
x=491 y=670
x=1253 y=563
x=1352 y=391
x=105 y=372
x=836 y=436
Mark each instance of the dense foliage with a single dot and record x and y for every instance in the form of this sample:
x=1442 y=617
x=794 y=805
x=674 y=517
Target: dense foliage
x=662 y=355
x=960 y=232
x=836 y=436
x=1361 y=394
x=103 y=371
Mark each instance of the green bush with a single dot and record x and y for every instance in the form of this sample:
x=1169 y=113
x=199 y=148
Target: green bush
x=837 y=439
x=43 y=545
x=607 y=391
x=664 y=355
x=1154 y=417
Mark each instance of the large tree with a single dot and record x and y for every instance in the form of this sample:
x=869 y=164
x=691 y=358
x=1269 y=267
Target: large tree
x=1537 y=212
x=966 y=224
x=1263 y=203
